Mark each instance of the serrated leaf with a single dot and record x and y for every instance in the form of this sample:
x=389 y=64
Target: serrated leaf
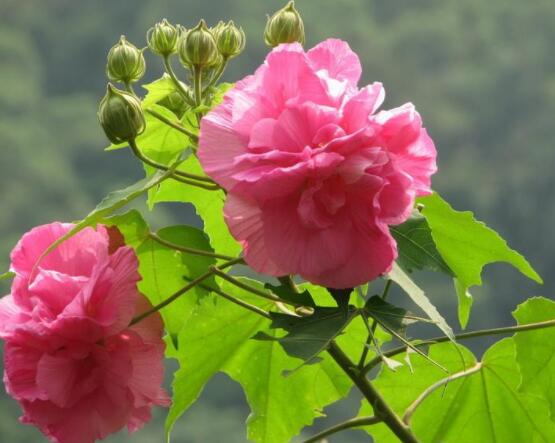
x=417 y=250
x=535 y=350
x=484 y=406
x=208 y=205
x=467 y=245
x=418 y=296
x=158 y=90
x=109 y=204
x=217 y=338
x=162 y=268
x=308 y=336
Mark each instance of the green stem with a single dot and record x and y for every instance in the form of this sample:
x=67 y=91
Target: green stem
x=481 y=333
x=183 y=290
x=129 y=88
x=381 y=408
x=414 y=405
x=370 y=338
x=237 y=301
x=177 y=83
x=348 y=424
x=188 y=250
x=197 y=80
x=174 y=125
x=184 y=177
x=217 y=75
x=249 y=288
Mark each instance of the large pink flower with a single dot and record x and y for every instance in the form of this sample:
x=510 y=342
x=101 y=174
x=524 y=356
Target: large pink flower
x=71 y=360
x=314 y=175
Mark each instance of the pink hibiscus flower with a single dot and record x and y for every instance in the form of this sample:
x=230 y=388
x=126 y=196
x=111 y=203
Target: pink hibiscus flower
x=71 y=360
x=314 y=174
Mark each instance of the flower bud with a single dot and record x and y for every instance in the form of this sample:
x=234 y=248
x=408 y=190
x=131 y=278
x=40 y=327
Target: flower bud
x=198 y=47
x=162 y=38
x=285 y=26
x=230 y=39
x=120 y=115
x=126 y=62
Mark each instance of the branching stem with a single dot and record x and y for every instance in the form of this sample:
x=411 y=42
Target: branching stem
x=414 y=405
x=174 y=125
x=183 y=290
x=481 y=333
x=186 y=249
x=177 y=83
x=249 y=288
x=184 y=177
x=381 y=408
x=348 y=424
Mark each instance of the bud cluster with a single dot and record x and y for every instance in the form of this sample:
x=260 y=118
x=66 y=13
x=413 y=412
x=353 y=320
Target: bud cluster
x=202 y=50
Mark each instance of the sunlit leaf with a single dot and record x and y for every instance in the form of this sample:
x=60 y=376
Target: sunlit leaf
x=111 y=203
x=484 y=406
x=535 y=350
x=163 y=269
x=217 y=338
x=467 y=245
x=158 y=90
x=418 y=296
x=208 y=205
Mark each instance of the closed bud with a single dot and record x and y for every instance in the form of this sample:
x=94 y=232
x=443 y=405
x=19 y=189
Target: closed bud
x=198 y=47
x=230 y=39
x=285 y=26
x=162 y=38
x=126 y=62
x=120 y=115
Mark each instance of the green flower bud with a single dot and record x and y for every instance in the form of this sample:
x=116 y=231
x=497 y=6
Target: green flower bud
x=120 y=115
x=285 y=26
x=162 y=38
x=198 y=47
x=230 y=39
x=126 y=62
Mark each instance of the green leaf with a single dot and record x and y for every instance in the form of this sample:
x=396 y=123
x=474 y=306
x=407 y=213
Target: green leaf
x=111 y=203
x=417 y=250
x=159 y=141
x=7 y=275
x=418 y=296
x=286 y=293
x=465 y=302
x=467 y=245
x=482 y=407
x=163 y=269
x=208 y=205
x=535 y=350
x=307 y=337
x=158 y=90
x=391 y=316
x=217 y=338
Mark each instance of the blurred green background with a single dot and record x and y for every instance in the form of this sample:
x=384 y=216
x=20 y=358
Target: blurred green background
x=482 y=74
